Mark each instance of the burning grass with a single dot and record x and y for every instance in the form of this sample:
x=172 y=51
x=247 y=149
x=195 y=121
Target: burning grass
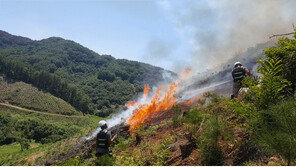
x=148 y=112
x=153 y=106
x=163 y=99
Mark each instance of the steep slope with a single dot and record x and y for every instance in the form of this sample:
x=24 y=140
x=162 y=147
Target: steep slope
x=108 y=81
x=222 y=73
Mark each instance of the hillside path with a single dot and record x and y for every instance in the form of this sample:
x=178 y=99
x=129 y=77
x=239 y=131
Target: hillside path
x=39 y=112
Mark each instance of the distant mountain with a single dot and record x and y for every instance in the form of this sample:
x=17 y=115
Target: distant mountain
x=109 y=82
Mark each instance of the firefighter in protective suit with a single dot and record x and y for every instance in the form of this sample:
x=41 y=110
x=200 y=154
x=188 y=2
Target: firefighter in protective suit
x=238 y=74
x=103 y=140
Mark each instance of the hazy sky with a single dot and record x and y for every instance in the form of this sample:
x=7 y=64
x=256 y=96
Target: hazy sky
x=169 y=34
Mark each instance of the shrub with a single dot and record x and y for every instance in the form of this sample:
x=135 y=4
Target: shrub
x=71 y=162
x=6 y=128
x=106 y=160
x=212 y=96
x=176 y=119
x=162 y=152
x=286 y=51
x=274 y=86
x=193 y=120
x=202 y=102
x=270 y=87
x=209 y=147
x=122 y=144
x=145 y=154
x=242 y=109
x=194 y=116
x=275 y=130
x=24 y=143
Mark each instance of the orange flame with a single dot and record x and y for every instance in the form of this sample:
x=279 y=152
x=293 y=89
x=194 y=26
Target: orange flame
x=185 y=73
x=130 y=104
x=146 y=89
x=157 y=103
x=191 y=101
x=145 y=113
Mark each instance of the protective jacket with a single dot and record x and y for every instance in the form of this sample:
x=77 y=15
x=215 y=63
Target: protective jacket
x=102 y=138
x=238 y=73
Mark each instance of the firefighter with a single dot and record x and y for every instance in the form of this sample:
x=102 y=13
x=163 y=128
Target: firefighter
x=238 y=74
x=103 y=140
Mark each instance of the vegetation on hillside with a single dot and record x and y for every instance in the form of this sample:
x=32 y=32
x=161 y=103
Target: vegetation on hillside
x=37 y=126
x=109 y=82
x=46 y=82
x=26 y=96
x=8 y=40
x=255 y=129
x=32 y=121
x=25 y=133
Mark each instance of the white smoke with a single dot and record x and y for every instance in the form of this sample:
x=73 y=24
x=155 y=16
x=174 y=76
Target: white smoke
x=121 y=116
x=117 y=119
x=189 y=94
x=219 y=29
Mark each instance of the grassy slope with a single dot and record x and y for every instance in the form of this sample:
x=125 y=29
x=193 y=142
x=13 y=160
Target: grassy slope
x=188 y=141
x=21 y=100
x=12 y=154
x=26 y=96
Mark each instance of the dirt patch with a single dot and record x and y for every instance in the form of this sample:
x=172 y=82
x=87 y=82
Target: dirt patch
x=32 y=158
x=183 y=153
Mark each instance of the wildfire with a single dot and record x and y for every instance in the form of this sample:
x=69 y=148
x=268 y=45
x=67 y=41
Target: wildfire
x=191 y=101
x=185 y=73
x=163 y=99
x=152 y=109
x=130 y=104
x=146 y=89
x=145 y=112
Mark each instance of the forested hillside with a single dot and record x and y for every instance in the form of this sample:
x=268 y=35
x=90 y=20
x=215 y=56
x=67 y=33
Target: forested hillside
x=107 y=81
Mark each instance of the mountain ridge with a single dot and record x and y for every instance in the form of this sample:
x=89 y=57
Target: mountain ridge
x=108 y=81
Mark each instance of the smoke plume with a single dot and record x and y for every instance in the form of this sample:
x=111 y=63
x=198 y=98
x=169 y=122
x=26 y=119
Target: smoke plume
x=219 y=29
